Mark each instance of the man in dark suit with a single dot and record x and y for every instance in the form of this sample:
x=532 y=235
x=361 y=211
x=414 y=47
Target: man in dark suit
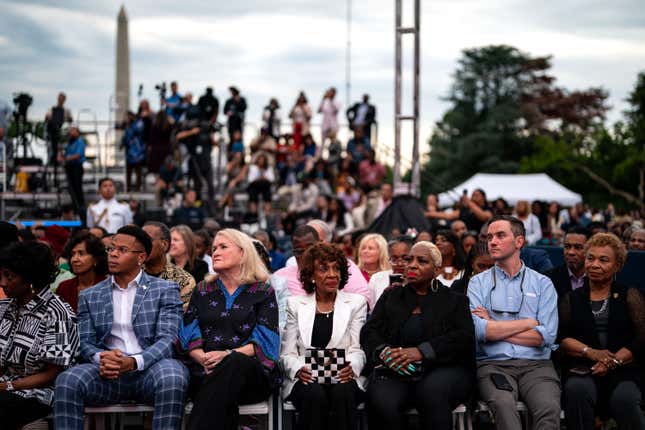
x=128 y=325
x=570 y=275
x=536 y=259
x=362 y=115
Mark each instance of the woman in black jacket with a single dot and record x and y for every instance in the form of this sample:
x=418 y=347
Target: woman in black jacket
x=420 y=345
x=602 y=332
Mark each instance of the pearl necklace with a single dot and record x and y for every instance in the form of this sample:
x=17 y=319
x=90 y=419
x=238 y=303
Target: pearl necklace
x=325 y=313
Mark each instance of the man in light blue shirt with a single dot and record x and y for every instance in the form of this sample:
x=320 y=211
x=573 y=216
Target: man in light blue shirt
x=73 y=159
x=173 y=102
x=515 y=314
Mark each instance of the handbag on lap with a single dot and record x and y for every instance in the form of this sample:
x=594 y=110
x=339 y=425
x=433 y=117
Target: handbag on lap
x=325 y=364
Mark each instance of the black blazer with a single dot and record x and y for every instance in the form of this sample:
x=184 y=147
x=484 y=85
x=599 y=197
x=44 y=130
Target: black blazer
x=560 y=277
x=445 y=317
x=626 y=325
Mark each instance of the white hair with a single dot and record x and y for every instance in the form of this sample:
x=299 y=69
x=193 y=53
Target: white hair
x=435 y=254
x=322 y=226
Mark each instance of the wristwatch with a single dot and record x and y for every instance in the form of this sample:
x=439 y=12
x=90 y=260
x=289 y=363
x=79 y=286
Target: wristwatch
x=584 y=351
x=9 y=386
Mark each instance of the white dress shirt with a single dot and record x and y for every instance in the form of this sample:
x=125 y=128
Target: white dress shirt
x=378 y=283
x=533 y=229
x=209 y=261
x=109 y=214
x=122 y=336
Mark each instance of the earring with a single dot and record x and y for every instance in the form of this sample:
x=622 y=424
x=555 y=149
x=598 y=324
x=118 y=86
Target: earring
x=434 y=285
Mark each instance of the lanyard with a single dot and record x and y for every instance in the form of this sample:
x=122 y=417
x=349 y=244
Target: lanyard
x=490 y=294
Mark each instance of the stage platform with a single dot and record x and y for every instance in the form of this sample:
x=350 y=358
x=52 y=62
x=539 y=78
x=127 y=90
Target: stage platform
x=90 y=197
x=27 y=205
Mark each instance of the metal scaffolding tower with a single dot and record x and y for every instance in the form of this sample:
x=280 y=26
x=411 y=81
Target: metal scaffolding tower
x=414 y=187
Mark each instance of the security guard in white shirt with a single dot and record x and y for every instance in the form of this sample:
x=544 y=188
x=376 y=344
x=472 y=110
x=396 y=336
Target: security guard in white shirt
x=108 y=212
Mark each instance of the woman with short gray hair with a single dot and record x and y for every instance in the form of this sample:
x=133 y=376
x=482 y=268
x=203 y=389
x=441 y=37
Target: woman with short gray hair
x=420 y=346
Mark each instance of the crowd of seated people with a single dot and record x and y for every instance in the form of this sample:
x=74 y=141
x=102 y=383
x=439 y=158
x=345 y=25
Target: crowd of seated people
x=138 y=321
x=164 y=313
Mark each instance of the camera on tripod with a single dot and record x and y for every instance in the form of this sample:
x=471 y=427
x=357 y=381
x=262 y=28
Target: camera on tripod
x=161 y=88
x=22 y=102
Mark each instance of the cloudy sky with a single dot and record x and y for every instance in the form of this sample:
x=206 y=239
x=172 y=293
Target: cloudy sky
x=278 y=47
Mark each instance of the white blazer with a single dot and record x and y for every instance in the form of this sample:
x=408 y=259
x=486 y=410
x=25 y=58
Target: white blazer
x=350 y=312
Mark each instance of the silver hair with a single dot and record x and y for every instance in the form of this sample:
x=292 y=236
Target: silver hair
x=320 y=225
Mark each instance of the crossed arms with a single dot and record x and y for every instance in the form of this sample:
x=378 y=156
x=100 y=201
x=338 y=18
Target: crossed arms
x=537 y=331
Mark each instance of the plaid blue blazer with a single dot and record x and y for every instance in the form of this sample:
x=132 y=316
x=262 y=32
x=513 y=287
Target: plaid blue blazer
x=156 y=314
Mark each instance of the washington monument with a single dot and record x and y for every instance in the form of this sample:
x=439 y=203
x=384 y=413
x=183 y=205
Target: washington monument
x=122 y=87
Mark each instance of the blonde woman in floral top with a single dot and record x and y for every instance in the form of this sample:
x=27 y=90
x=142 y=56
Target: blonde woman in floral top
x=38 y=337
x=230 y=334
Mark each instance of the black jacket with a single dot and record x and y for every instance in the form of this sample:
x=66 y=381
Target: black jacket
x=626 y=327
x=560 y=277
x=446 y=319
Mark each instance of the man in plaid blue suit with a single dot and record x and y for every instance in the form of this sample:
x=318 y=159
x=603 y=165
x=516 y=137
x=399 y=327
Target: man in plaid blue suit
x=128 y=325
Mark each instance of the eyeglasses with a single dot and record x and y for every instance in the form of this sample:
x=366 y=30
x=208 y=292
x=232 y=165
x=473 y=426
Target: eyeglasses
x=120 y=250
x=398 y=260
x=490 y=296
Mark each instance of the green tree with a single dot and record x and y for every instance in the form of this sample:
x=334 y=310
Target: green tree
x=596 y=165
x=635 y=157
x=501 y=100
x=603 y=164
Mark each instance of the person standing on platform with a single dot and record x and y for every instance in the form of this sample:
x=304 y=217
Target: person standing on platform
x=234 y=109
x=73 y=159
x=329 y=108
x=173 y=102
x=361 y=116
x=54 y=120
x=271 y=118
x=108 y=212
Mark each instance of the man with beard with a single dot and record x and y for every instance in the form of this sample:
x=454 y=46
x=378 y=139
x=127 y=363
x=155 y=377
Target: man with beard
x=159 y=266
x=128 y=326
x=571 y=275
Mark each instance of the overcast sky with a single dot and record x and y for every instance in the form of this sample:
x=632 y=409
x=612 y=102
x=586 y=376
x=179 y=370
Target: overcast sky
x=278 y=47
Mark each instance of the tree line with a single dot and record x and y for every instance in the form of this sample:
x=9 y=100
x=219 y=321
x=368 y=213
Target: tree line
x=509 y=115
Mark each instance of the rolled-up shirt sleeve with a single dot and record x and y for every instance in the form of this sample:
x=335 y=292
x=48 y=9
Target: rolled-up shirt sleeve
x=476 y=297
x=547 y=312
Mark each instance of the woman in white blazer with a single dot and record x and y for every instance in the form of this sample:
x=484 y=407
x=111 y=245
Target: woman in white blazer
x=325 y=318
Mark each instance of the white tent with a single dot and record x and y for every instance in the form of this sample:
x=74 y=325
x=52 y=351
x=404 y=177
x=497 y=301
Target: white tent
x=535 y=186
